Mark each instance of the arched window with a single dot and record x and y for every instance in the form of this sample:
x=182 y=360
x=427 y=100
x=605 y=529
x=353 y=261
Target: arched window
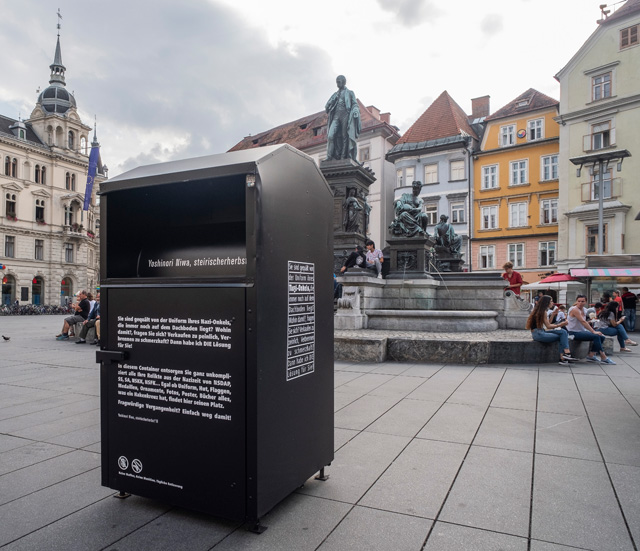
x=44 y=175
x=73 y=182
x=8 y=288
x=40 y=211
x=37 y=285
x=37 y=175
x=59 y=139
x=14 y=167
x=10 y=206
x=67 y=180
x=7 y=165
x=66 y=290
x=83 y=145
x=71 y=139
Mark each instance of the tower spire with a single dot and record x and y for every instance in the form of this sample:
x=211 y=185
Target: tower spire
x=95 y=132
x=57 y=68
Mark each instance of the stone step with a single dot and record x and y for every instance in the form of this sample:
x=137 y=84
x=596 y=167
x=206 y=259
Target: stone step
x=497 y=347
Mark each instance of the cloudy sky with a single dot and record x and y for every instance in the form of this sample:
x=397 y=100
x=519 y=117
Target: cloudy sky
x=169 y=80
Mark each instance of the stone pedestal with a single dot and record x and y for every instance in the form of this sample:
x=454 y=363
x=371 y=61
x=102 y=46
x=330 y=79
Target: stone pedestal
x=409 y=257
x=446 y=261
x=345 y=177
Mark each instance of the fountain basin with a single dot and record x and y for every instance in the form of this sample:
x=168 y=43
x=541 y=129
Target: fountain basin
x=433 y=321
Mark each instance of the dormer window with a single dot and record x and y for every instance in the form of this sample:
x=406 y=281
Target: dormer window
x=536 y=129
x=507 y=135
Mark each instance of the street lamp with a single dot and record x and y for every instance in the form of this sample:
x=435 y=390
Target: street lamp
x=602 y=161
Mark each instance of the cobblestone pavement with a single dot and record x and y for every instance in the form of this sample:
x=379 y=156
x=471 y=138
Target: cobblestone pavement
x=431 y=457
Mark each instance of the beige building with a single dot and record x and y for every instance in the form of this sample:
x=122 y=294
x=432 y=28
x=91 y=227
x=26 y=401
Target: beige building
x=49 y=243
x=600 y=113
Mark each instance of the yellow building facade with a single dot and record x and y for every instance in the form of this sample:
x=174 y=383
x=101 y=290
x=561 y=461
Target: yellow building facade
x=515 y=207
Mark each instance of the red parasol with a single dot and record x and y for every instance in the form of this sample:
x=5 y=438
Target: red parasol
x=557 y=278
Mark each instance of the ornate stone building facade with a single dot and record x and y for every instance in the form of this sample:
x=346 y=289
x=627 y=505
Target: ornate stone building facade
x=48 y=243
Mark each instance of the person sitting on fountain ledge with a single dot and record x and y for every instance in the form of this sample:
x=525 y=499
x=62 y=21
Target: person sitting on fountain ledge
x=514 y=279
x=355 y=260
x=542 y=330
x=374 y=257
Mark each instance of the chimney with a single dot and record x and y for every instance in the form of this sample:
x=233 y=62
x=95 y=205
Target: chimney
x=480 y=107
x=374 y=111
x=386 y=117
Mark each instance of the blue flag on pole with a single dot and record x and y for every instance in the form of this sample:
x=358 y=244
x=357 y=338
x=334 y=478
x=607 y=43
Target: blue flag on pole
x=93 y=167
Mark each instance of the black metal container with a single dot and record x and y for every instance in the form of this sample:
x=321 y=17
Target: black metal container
x=217 y=330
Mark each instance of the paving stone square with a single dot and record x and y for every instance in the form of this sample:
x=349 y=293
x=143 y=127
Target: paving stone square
x=428 y=457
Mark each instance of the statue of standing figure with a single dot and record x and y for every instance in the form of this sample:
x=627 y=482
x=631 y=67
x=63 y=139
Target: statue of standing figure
x=351 y=208
x=410 y=220
x=343 y=127
x=446 y=236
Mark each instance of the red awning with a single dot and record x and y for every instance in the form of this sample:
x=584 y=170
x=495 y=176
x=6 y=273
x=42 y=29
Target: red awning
x=605 y=272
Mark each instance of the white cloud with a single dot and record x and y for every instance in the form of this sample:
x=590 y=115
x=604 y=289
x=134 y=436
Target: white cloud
x=177 y=79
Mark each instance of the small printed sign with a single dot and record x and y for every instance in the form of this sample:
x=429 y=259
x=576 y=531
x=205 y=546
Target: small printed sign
x=301 y=322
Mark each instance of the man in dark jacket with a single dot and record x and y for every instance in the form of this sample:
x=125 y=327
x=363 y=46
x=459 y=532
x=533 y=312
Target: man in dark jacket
x=90 y=322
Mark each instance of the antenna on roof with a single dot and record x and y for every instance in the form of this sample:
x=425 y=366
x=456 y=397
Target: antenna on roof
x=604 y=13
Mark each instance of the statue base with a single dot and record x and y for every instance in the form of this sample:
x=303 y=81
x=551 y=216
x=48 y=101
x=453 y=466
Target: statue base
x=409 y=257
x=446 y=261
x=343 y=175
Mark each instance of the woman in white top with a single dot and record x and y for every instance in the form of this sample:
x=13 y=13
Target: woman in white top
x=581 y=330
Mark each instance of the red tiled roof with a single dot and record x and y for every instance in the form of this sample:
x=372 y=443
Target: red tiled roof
x=443 y=118
x=535 y=100
x=300 y=133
